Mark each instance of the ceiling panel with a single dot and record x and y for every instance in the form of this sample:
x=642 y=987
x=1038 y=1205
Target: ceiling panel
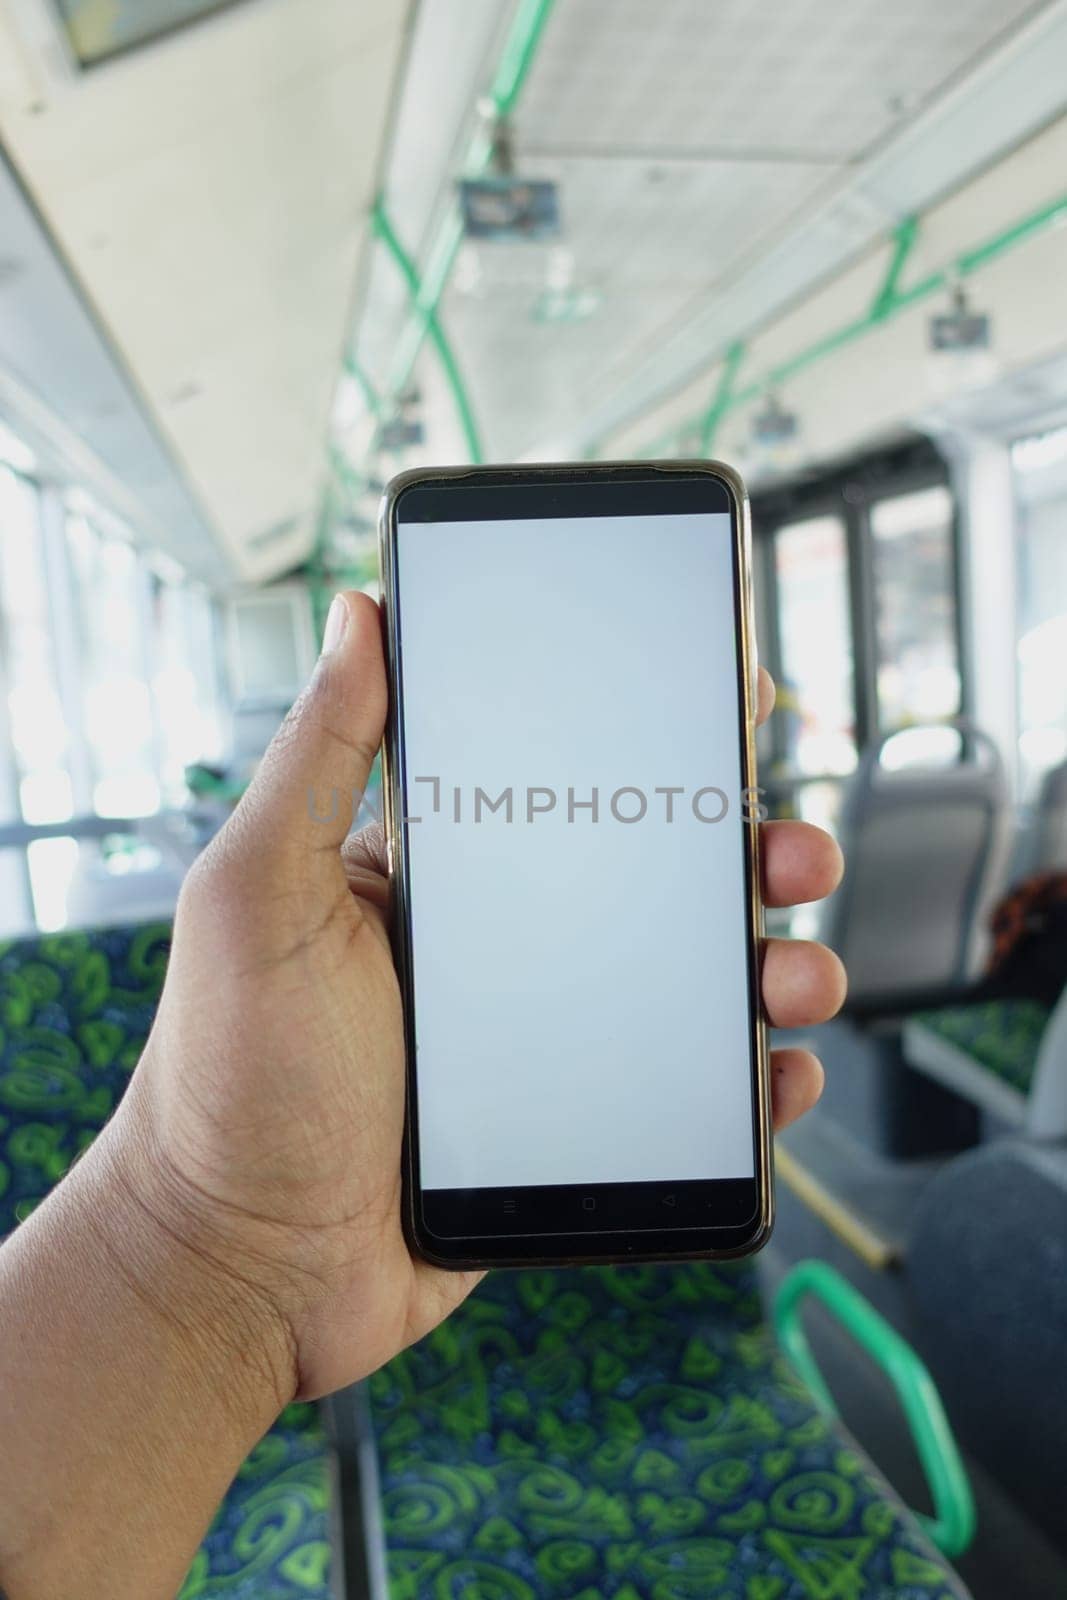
x=805 y=78
x=714 y=163
x=637 y=235
x=211 y=194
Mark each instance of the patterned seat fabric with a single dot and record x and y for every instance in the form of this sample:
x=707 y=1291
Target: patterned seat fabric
x=75 y=1010
x=629 y=1434
x=577 y=1436
x=1003 y=1036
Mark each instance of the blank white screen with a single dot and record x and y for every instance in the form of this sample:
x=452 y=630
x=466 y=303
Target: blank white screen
x=580 y=988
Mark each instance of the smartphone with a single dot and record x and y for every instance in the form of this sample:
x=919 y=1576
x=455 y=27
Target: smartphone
x=570 y=804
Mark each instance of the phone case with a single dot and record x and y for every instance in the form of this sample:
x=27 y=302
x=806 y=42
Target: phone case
x=396 y=845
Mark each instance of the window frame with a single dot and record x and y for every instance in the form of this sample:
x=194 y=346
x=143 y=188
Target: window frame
x=80 y=63
x=849 y=492
x=52 y=509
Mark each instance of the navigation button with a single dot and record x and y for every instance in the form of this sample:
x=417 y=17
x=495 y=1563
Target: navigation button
x=668 y=1200
x=588 y=1202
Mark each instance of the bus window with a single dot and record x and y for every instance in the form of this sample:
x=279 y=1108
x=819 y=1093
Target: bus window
x=913 y=569
x=1041 y=468
x=184 y=683
x=815 y=691
x=37 y=726
x=118 y=708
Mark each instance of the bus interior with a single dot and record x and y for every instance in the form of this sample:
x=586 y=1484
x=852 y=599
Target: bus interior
x=256 y=257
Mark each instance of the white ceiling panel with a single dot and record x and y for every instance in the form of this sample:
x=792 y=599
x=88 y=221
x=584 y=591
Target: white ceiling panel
x=716 y=164
x=805 y=79
x=636 y=235
x=211 y=194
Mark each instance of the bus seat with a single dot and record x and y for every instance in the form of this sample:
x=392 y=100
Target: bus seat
x=75 y=1011
x=988 y=1252
x=1008 y=1057
x=925 y=849
x=1044 y=847
x=630 y=1433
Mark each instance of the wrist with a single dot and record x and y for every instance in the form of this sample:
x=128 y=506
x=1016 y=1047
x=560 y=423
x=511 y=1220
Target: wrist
x=137 y=1371
x=186 y=1267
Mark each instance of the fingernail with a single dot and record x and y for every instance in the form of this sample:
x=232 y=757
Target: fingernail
x=336 y=623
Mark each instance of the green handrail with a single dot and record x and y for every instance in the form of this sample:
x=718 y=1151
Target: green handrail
x=723 y=389
x=513 y=69
x=903 y=244
x=370 y=394
x=425 y=291
x=387 y=234
x=952 y=1526
x=889 y=302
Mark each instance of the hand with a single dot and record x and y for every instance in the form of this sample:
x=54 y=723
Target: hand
x=268 y=1108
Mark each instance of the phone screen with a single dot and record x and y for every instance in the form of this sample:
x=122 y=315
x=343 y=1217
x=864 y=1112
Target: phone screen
x=578 y=887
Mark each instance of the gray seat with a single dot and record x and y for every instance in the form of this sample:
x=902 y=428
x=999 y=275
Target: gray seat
x=1043 y=847
x=925 y=848
x=1008 y=1057
x=987 y=1272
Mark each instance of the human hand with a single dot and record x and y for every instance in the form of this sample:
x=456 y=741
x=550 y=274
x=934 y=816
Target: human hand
x=267 y=1111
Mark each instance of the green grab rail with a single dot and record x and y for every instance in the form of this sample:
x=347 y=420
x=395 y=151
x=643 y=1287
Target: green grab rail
x=387 y=234
x=723 y=390
x=513 y=68
x=425 y=292
x=367 y=389
x=903 y=243
x=953 y=1523
x=889 y=302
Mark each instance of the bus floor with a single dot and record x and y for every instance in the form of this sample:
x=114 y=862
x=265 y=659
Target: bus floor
x=1010 y=1555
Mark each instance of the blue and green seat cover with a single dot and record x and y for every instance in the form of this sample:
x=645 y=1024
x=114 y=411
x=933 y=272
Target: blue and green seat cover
x=601 y=1434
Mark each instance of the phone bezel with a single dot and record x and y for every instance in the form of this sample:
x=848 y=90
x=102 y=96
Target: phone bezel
x=548 y=1248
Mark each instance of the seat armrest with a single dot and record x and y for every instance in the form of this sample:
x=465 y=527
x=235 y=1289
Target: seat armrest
x=952 y=1526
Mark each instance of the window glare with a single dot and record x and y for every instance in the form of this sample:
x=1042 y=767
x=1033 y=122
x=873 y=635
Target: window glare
x=815 y=694
x=913 y=561
x=110 y=688
x=1042 y=639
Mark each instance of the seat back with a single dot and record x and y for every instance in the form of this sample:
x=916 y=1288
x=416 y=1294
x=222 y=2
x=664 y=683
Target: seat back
x=75 y=1011
x=925 y=848
x=1046 y=1110
x=1047 y=842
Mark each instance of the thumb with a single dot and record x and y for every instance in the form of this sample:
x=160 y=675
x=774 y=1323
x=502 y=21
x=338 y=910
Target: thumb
x=306 y=792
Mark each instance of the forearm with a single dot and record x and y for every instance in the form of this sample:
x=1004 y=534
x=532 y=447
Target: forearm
x=134 y=1379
